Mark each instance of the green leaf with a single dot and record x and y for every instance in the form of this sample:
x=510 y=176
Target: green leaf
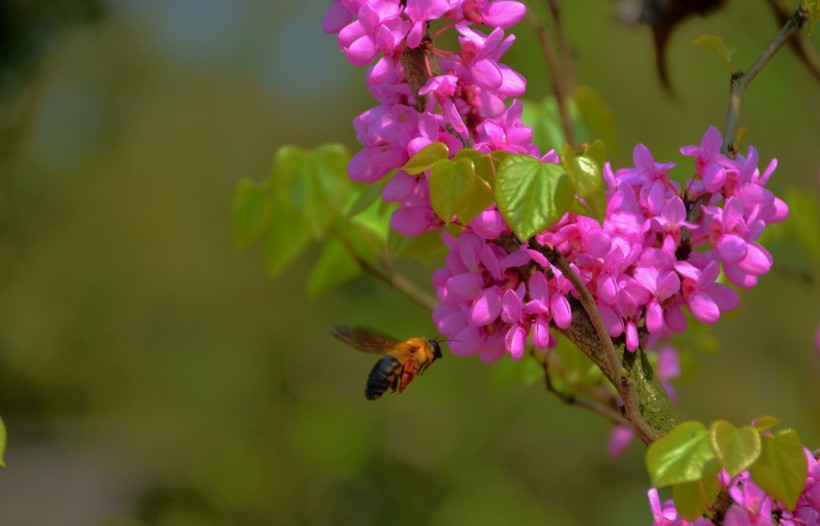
x=426 y=158
x=286 y=238
x=814 y=14
x=313 y=183
x=715 y=44
x=532 y=195
x=367 y=195
x=693 y=499
x=766 y=422
x=597 y=152
x=427 y=244
x=456 y=190
x=484 y=164
x=583 y=171
x=680 y=456
x=735 y=448
x=782 y=467
x=596 y=114
x=249 y=211
x=334 y=267
x=804 y=216
x=2 y=443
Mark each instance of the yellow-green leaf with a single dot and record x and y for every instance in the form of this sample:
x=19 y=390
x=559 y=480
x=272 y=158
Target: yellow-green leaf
x=782 y=467
x=814 y=14
x=426 y=158
x=334 y=267
x=680 y=456
x=736 y=449
x=716 y=45
x=456 y=190
x=766 y=422
x=249 y=211
x=693 y=499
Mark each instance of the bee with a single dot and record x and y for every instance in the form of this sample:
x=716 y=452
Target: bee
x=402 y=360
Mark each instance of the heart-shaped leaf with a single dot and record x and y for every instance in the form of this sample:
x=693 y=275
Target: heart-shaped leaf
x=782 y=467
x=426 y=158
x=736 y=449
x=693 y=499
x=680 y=456
x=456 y=190
x=531 y=195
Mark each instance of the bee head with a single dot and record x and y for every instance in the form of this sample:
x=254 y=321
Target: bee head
x=436 y=348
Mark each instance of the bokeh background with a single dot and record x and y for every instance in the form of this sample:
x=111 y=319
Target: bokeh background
x=153 y=374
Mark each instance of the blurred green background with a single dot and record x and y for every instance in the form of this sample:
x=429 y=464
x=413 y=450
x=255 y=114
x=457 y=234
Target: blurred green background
x=152 y=374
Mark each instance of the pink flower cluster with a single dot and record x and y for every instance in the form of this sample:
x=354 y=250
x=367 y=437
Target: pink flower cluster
x=460 y=98
x=751 y=506
x=639 y=265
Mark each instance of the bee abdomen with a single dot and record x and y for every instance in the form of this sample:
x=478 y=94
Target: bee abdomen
x=383 y=376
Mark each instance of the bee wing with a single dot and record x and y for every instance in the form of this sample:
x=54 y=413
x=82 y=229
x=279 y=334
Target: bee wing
x=371 y=341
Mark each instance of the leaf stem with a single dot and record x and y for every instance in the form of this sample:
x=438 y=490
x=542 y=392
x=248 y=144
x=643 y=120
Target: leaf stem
x=555 y=74
x=613 y=369
x=570 y=399
x=392 y=277
x=740 y=80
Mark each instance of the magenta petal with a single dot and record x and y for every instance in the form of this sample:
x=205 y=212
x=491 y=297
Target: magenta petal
x=703 y=307
x=675 y=318
x=732 y=248
x=399 y=187
x=489 y=224
x=758 y=260
x=619 y=439
x=614 y=324
x=632 y=340
x=504 y=14
x=493 y=348
x=516 y=341
x=469 y=250
x=362 y=51
x=538 y=287
x=726 y=298
x=466 y=342
x=336 y=17
x=541 y=333
x=486 y=307
x=668 y=285
x=654 y=317
x=467 y=285
x=739 y=278
x=511 y=307
x=452 y=323
x=487 y=74
x=713 y=176
x=561 y=312
x=412 y=221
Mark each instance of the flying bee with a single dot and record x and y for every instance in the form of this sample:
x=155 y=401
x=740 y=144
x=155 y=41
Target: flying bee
x=402 y=361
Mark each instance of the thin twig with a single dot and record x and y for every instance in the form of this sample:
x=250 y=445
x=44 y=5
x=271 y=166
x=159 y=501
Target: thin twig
x=567 y=59
x=392 y=277
x=740 y=80
x=805 y=53
x=624 y=386
x=610 y=414
x=555 y=74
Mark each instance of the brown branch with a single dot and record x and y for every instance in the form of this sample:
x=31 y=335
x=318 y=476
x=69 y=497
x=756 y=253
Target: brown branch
x=567 y=59
x=799 y=43
x=740 y=80
x=612 y=369
x=600 y=409
x=391 y=276
x=555 y=74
